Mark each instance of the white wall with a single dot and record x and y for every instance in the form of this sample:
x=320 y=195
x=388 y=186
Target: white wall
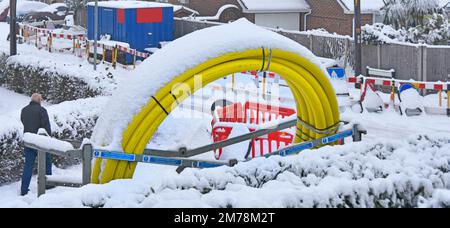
x=289 y=21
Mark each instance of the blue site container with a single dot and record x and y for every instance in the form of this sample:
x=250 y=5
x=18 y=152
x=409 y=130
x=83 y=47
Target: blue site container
x=140 y=24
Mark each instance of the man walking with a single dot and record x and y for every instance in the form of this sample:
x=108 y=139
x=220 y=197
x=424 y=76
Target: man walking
x=34 y=117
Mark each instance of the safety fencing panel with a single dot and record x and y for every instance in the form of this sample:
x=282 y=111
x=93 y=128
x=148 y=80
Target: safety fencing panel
x=437 y=63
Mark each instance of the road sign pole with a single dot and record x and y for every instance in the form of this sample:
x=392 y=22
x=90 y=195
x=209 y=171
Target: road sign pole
x=358 y=38
x=95 y=33
x=12 y=28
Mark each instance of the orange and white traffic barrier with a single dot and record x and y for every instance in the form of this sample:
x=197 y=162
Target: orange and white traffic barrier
x=133 y=52
x=389 y=82
x=50 y=35
x=117 y=48
x=395 y=83
x=255 y=74
x=67 y=36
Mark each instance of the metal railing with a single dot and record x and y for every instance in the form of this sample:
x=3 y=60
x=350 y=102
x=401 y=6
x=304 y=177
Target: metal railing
x=180 y=158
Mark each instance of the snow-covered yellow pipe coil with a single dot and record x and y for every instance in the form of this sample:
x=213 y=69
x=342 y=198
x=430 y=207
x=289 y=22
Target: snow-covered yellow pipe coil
x=315 y=97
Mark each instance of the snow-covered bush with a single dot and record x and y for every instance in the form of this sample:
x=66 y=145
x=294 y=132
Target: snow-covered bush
x=409 y=13
x=69 y=120
x=3 y=58
x=380 y=174
x=414 y=21
x=57 y=87
x=434 y=31
x=380 y=33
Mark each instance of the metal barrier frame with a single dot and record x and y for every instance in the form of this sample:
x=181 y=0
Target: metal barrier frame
x=85 y=153
x=180 y=158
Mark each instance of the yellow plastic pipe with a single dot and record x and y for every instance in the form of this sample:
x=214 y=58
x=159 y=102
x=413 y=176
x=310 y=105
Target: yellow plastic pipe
x=315 y=97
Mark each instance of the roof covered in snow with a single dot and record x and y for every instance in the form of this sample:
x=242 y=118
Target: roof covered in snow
x=373 y=6
x=4 y=4
x=130 y=4
x=218 y=14
x=25 y=7
x=270 y=6
x=181 y=7
x=53 y=8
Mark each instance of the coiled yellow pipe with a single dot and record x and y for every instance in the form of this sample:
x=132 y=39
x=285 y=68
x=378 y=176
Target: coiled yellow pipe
x=315 y=97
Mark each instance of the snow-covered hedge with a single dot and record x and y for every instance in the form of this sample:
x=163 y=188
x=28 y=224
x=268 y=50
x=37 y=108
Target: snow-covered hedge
x=435 y=31
x=413 y=173
x=69 y=120
x=57 y=87
x=3 y=58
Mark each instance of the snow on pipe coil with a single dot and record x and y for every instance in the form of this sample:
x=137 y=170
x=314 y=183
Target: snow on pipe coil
x=316 y=102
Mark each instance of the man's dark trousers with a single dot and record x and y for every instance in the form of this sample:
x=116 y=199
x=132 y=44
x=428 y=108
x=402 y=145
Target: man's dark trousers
x=30 y=158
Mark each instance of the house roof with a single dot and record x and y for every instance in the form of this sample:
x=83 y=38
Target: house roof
x=177 y=8
x=130 y=4
x=270 y=6
x=374 y=6
x=218 y=14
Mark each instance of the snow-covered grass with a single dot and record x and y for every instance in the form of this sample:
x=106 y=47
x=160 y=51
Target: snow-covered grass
x=10 y=192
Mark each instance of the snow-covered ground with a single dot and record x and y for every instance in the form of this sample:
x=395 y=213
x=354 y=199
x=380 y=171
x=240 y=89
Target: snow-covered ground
x=392 y=154
x=402 y=161
x=374 y=173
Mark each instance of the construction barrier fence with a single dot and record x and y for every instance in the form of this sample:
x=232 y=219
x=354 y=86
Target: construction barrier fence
x=439 y=87
x=44 y=38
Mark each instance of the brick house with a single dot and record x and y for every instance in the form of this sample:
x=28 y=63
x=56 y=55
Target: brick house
x=288 y=14
x=337 y=15
x=212 y=10
x=332 y=15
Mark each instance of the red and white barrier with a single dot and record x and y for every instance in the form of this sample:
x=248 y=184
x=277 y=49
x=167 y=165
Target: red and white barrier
x=121 y=48
x=67 y=36
x=54 y=34
x=388 y=82
x=252 y=115
x=133 y=52
x=441 y=87
x=256 y=74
